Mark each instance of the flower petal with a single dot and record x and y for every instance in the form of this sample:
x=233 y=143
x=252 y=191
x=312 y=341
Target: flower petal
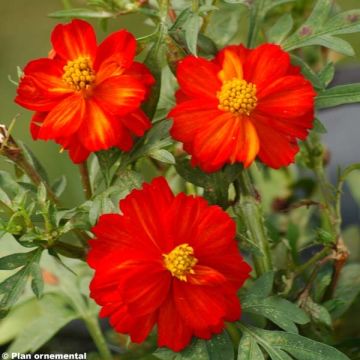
x=202 y=82
x=73 y=40
x=64 y=119
x=120 y=94
x=265 y=64
x=115 y=54
x=42 y=87
x=137 y=122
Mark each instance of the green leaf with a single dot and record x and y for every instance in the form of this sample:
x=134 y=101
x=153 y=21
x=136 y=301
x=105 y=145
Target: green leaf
x=59 y=185
x=12 y=287
x=37 y=283
x=280 y=29
x=327 y=74
x=319 y=30
x=347 y=290
x=262 y=286
x=163 y=155
x=278 y=344
x=318 y=313
x=14 y=261
x=219 y=347
x=81 y=13
x=280 y=311
x=307 y=71
x=249 y=349
x=319 y=127
x=41 y=193
x=338 y=95
x=192 y=28
x=55 y=314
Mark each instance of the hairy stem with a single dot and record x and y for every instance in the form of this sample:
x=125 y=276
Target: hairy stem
x=252 y=216
x=85 y=180
x=96 y=334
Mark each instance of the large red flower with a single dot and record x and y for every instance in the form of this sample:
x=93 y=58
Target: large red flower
x=242 y=104
x=86 y=97
x=167 y=260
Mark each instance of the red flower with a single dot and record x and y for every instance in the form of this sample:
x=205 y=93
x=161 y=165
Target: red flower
x=167 y=260
x=86 y=97
x=244 y=103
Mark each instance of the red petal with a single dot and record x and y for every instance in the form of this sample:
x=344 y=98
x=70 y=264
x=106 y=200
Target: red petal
x=286 y=97
x=77 y=152
x=137 y=122
x=99 y=130
x=265 y=64
x=42 y=87
x=142 y=73
x=191 y=116
x=169 y=320
x=36 y=121
x=120 y=94
x=198 y=77
x=64 y=119
x=276 y=149
x=146 y=210
x=73 y=40
x=204 y=275
x=115 y=54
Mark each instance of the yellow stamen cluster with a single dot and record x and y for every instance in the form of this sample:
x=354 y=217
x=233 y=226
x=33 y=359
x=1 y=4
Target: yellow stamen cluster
x=237 y=96
x=79 y=73
x=180 y=261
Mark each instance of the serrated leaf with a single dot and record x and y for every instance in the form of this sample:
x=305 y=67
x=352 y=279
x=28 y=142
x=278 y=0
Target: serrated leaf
x=192 y=28
x=14 y=261
x=81 y=13
x=279 y=343
x=280 y=311
x=55 y=314
x=280 y=29
x=249 y=349
x=163 y=155
x=219 y=347
x=338 y=95
x=12 y=287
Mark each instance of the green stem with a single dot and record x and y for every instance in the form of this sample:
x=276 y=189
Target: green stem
x=85 y=180
x=312 y=261
x=95 y=332
x=253 y=218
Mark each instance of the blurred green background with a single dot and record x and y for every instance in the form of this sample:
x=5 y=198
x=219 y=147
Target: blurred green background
x=24 y=35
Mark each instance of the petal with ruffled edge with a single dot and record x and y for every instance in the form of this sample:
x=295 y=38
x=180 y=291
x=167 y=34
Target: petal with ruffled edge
x=73 y=40
x=198 y=77
x=64 y=119
x=42 y=87
x=114 y=55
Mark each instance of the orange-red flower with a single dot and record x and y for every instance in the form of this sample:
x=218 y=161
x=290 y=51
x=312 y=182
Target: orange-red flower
x=169 y=261
x=242 y=104
x=86 y=96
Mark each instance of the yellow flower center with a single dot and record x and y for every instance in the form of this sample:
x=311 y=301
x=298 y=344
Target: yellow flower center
x=79 y=73
x=180 y=261
x=237 y=96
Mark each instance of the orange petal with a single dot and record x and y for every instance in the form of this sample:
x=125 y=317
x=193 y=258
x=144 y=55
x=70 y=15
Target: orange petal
x=99 y=130
x=64 y=119
x=231 y=63
x=73 y=40
x=120 y=94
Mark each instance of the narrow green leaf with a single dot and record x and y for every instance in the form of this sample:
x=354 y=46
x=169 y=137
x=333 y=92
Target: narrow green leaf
x=220 y=347
x=59 y=185
x=163 y=155
x=327 y=74
x=14 y=261
x=192 y=28
x=338 y=95
x=280 y=29
x=81 y=13
x=319 y=126
x=37 y=283
x=307 y=71
x=41 y=193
